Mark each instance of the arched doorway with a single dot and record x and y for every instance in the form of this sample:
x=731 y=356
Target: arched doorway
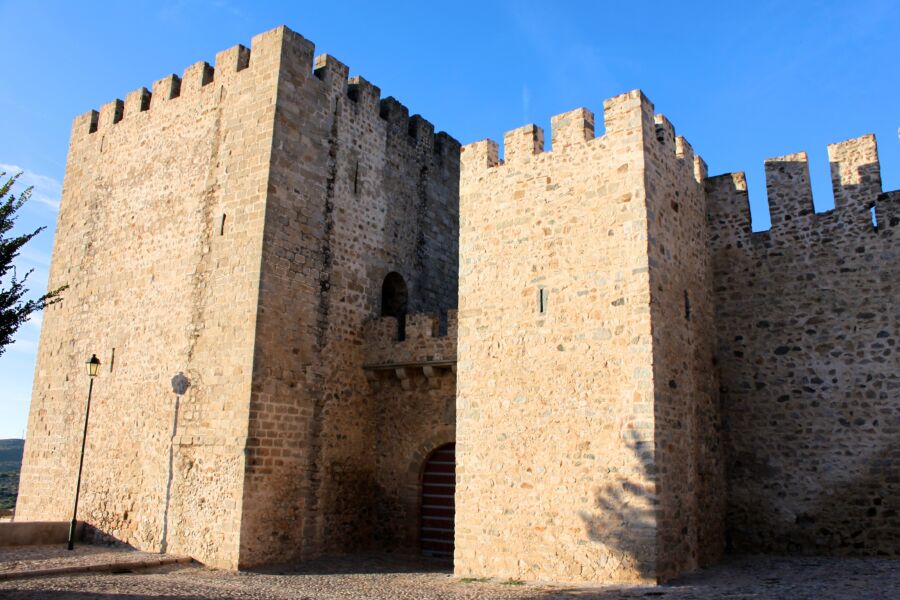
x=394 y=301
x=394 y=295
x=438 y=488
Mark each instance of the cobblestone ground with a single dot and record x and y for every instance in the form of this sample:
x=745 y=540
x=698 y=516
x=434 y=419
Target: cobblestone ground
x=380 y=578
x=16 y=559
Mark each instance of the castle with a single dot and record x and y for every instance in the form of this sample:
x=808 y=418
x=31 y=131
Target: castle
x=324 y=328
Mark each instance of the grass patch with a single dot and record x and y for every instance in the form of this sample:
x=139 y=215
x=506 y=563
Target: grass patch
x=475 y=579
x=513 y=582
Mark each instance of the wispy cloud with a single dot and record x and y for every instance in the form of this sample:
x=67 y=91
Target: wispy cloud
x=171 y=12
x=526 y=103
x=47 y=190
x=24 y=346
x=180 y=12
x=35 y=257
x=36 y=320
x=227 y=7
x=566 y=65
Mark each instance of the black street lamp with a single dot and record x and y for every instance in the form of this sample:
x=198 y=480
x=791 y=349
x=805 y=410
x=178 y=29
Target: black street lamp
x=93 y=367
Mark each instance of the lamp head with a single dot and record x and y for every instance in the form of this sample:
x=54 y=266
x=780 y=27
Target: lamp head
x=93 y=366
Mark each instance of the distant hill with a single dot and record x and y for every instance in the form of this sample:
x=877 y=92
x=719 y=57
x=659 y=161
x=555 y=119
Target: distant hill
x=10 y=463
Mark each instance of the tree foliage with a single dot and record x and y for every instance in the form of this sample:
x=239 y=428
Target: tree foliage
x=14 y=308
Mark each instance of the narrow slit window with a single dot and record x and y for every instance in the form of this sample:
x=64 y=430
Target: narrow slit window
x=443 y=323
x=542 y=301
x=356 y=178
x=112 y=359
x=874 y=218
x=222 y=225
x=687 y=306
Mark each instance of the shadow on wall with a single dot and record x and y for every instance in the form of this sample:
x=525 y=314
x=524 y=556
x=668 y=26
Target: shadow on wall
x=807 y=343
x=388 y=510
x=625 y=519
x=94 y=536
x=180 y=385
x=858 y=516
x=821 y=473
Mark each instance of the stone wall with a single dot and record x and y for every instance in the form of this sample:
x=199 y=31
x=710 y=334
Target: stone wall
x=686 y=415
x=588 y=414
x=555 y=390
x=807 y=325
x=227 y=236
x=158 y=238
x=357 y=190
x=414 y=385
x=425 y=343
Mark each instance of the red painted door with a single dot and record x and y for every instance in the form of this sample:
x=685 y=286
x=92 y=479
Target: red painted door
x=438 y=487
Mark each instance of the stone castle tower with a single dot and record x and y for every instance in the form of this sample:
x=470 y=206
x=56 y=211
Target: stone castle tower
x=233 y=229
x=586 y=339
x=267 y=257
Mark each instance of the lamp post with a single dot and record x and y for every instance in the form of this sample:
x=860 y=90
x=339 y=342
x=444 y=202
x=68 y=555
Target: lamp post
x=93 y=367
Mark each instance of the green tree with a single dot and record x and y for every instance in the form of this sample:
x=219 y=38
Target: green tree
x=14 y=309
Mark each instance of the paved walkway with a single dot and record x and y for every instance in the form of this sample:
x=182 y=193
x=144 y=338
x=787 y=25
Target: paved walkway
x=17 y=562
x=761 y=578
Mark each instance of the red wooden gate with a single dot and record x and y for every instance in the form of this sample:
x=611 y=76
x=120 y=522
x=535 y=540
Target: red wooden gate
x=438 y=486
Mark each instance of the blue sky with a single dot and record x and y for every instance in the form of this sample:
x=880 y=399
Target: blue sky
x=741 y=81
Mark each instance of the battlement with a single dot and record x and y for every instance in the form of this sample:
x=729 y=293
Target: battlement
x=728 y=210
x=855 y=171
x=238 y=60
x=680 y=147
x=424 y=340
x=193 y=80
x=856 y=184
x=623 y=115
x=365 y=96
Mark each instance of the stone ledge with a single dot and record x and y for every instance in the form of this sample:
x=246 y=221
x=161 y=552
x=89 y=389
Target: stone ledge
x=36 y=533
x=403 y=372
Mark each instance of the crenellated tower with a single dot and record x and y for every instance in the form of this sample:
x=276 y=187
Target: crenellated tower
x=235 y=229
x=587 y=412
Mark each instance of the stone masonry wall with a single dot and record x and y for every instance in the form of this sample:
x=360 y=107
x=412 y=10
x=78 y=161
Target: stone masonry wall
x=159 y=236
x=689 y=464
x=807 y=332
x=358 y=189
x=228 y=235
x=424 y=343
x=555 y=408
x=414 y=384
x=225 y=237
